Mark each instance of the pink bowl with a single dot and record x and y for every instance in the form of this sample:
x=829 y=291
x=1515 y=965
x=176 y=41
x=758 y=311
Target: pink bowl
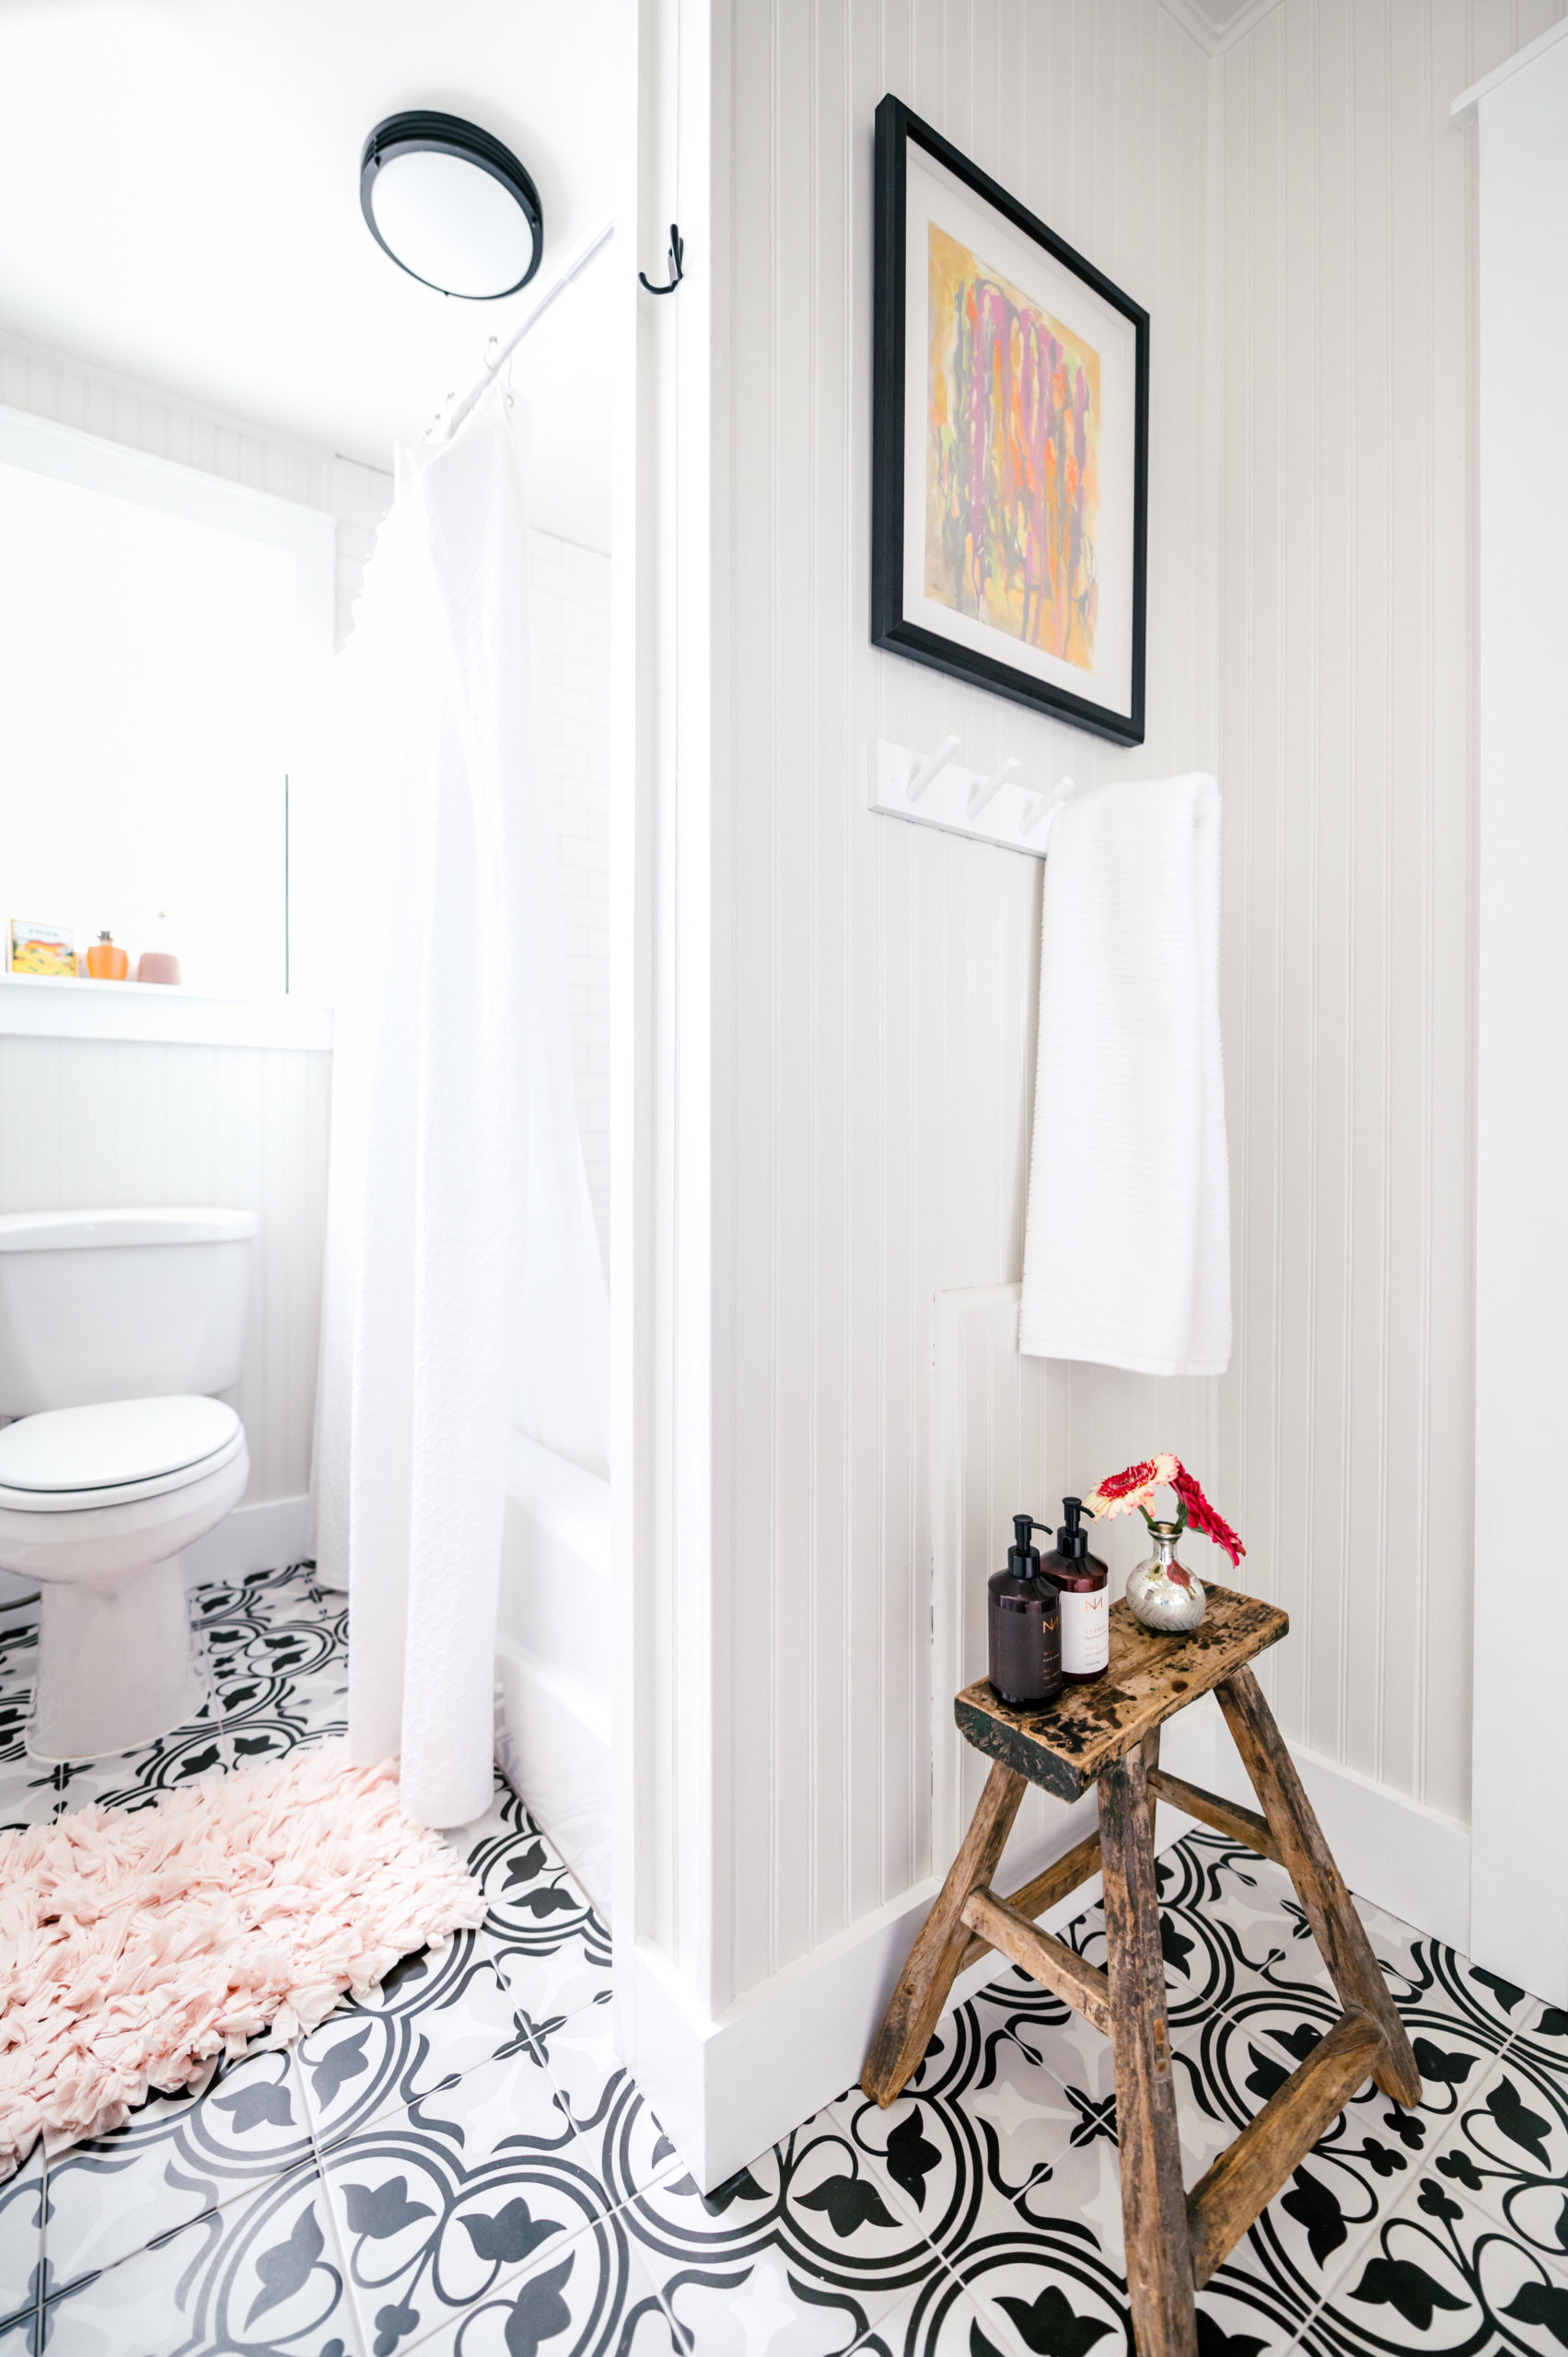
x=157 y=966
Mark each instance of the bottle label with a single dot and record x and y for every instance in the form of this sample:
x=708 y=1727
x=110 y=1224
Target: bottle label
x=1086 y=1630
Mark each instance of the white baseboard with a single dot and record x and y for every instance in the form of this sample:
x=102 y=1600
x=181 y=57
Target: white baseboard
x=552 y=1746
x=261 y=1537
x=1412 y=1862
x=725 y=2090
x=252 y=1538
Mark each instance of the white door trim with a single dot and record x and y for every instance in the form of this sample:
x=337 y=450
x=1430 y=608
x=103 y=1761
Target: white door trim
x=1520 y=1861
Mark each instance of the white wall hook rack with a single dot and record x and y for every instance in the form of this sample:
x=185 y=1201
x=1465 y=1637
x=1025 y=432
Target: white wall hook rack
x=933 y=790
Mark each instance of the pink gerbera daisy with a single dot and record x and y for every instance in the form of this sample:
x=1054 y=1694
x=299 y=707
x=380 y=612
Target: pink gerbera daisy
x=1135 y=1485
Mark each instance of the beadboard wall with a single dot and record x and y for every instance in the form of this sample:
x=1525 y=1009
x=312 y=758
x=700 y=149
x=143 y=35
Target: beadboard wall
x=1297 y=213
x=91 y=1122
x=874 y=983
x=1346 y=335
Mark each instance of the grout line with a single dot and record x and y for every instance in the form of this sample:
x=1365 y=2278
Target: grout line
x=43 y=2259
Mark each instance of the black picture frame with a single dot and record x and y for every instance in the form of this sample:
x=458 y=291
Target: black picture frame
x=890 y=627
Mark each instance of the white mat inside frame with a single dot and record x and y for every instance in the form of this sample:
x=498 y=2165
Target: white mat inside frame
x=994 y=807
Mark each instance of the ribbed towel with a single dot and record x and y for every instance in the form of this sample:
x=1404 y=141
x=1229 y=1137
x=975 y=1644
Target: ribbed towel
x=1127 y=1246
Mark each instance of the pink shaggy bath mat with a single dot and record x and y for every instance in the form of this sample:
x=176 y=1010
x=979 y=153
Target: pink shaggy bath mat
x=133 y=1948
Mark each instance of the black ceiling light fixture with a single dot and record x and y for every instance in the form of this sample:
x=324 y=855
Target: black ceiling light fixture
x=451 y=206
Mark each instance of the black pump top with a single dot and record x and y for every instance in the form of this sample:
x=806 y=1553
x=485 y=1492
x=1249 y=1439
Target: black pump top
x=1022 y=1557
x=1071 y=1542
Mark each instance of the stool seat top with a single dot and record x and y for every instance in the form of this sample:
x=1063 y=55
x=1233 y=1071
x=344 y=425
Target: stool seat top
x=1065 y=1745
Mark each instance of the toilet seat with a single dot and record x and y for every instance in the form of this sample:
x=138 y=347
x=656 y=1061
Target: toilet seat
x=66 y=1460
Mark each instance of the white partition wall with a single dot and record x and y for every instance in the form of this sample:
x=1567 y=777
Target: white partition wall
x=1519 y=1860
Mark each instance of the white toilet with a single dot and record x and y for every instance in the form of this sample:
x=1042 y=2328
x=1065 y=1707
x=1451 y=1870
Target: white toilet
x=113 y=1327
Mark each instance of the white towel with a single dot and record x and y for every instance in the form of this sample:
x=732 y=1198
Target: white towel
x=1127 y=1246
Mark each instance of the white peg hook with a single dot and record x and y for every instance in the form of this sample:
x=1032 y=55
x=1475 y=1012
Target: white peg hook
x=929 y=768
x=990 y=787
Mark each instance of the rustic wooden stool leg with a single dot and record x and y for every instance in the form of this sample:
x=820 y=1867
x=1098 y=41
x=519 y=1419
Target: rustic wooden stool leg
x=1153 y=2204
x=1337 y=1928
x=1152 y=1760
x=917 y=2002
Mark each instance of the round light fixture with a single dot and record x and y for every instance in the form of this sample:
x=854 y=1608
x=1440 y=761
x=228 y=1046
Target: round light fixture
x=451 y=206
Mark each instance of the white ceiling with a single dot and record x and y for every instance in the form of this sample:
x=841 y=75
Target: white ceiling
x=180 y=202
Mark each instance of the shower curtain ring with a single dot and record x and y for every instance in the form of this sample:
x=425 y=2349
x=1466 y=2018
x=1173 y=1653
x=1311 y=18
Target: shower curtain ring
x=677 y=270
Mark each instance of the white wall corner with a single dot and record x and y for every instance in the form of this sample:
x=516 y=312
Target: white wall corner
x=1218 y=25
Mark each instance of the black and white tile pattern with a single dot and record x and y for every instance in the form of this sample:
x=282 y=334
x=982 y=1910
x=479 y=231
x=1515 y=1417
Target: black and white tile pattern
x=460 y=2166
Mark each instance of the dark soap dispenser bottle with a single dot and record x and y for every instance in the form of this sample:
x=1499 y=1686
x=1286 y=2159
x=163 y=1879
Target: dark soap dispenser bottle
x=1024 y=1615
x=1085 y=1599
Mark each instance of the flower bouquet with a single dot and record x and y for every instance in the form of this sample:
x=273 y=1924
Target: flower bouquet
x=1161 y=1593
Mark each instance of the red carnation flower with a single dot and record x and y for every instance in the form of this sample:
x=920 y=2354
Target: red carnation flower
x=1137 y=1484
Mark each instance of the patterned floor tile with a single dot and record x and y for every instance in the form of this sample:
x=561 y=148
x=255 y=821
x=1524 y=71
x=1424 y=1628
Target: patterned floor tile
x=590 y=2294
x=631 y=2151
x=263 y=2274
x=1543 y=2038
x=437 y=2014
x=1360 y=2171
x=939 y=2320
x=1434 y=1984
x=460 y=2165
x=1228 y=1922
x=437 y=2204
x=1043 y=2288
x=808 y=2222
x=176 y=2158
x=21 y=2235
x=554 y=1950
x=1505 y=2153
x=1438 y=2276
x=1241 y=2314
x=1011 y=2117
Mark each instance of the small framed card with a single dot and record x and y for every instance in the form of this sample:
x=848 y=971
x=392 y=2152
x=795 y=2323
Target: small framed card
x=34 y=947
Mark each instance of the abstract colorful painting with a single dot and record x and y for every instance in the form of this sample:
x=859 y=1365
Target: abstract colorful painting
x=39 y=948
x=1009 y=444
x=1012 y=460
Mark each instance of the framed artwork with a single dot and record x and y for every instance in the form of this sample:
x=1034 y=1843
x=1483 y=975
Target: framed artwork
x=35 y=947
x=1010 y=444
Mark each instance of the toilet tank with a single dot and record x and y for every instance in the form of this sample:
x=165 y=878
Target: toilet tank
x=100 y=1306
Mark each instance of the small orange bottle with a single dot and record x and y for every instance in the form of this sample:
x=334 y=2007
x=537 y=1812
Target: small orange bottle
x=105 y=963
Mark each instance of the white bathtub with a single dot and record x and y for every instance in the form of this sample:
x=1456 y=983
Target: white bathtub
x=552 y=1684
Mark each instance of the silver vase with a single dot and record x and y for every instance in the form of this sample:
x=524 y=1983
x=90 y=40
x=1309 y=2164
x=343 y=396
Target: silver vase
x=1161 y=1593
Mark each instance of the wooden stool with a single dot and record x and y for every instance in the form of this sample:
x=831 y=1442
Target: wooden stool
x=1108 y=1734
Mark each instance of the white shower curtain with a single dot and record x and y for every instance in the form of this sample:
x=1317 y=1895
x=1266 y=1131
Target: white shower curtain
x=464 y=1287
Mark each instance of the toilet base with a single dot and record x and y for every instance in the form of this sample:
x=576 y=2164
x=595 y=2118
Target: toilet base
x=117 y=1666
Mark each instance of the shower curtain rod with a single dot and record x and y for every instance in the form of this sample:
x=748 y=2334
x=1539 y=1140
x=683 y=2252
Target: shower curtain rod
x=577 y=261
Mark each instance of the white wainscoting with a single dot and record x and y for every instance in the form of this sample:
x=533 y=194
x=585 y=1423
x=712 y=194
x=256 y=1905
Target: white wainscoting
x=848 y=1005
x=872 y=985
x=1346 y=328
x=1521 y=1639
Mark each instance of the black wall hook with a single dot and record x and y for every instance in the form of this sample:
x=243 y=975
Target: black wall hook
x=677 y=257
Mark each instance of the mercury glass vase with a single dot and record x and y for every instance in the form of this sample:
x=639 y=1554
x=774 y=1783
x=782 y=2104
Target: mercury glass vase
x=1160 y=1592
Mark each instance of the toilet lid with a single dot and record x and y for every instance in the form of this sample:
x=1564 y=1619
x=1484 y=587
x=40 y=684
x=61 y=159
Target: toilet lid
x=105 y=1447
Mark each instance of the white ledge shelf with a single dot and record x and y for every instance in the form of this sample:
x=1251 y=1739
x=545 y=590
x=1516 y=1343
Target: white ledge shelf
x=46 y=1006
